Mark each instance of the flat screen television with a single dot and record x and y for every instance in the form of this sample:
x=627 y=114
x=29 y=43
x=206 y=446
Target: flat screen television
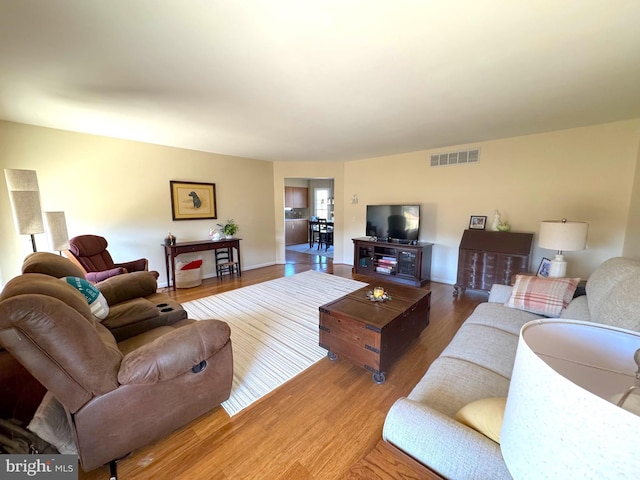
x=393 y=223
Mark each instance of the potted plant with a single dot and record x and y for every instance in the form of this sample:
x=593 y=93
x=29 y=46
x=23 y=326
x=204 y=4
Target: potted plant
x=229 y=229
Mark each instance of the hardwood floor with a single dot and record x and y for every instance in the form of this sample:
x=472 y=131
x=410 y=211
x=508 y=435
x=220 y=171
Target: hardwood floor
x=322 y=424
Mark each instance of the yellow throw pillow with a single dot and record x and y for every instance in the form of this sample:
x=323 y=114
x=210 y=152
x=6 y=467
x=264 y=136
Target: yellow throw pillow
x=484 y=415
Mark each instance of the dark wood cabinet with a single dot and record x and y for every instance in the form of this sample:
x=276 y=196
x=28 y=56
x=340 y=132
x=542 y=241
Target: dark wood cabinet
x=296 y=197
x=395 y=262
x=296 y=232
x=488 y=257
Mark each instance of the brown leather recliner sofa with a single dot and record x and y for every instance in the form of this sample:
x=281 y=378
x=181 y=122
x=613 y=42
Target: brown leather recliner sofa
x=135 y=305
x=117 y=396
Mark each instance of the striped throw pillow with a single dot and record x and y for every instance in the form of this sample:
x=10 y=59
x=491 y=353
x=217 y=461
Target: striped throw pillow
x=544 y=296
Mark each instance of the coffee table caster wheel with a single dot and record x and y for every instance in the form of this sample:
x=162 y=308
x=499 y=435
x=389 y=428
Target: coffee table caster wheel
x=332 y=356
x=379 y=378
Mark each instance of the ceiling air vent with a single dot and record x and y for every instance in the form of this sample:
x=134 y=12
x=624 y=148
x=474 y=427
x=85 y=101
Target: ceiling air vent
x=455 y=158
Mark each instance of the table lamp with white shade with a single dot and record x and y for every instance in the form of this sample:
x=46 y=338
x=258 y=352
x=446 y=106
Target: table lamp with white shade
x=562 y=419
x=562 y=236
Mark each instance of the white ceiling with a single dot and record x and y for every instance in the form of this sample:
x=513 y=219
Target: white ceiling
x=322 y=79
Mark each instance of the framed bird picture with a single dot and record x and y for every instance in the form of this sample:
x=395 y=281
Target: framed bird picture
x=193 y=200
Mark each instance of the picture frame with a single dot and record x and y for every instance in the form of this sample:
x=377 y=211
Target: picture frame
x=193 y=200
x=543 y=269
x=477 y=222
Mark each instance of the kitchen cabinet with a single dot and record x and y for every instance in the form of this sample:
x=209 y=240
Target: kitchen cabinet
x=296 y=197
x=296 y=231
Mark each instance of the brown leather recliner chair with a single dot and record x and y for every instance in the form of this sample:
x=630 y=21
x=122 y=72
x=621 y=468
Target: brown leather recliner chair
x=90 y=251
x=117 y=396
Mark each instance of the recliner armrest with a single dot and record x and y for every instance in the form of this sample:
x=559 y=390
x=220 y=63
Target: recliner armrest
x=130 y=312
x=139 y=265
x=96 y=277
x=174 y=353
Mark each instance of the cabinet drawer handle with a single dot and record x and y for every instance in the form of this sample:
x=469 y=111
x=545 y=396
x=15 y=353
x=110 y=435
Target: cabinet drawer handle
x=409 y=312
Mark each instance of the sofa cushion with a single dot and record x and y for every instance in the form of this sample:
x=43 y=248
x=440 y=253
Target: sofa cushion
x=484 y=416
x=451 y=383
x=125 y=287
x=485 y=346
x=496 y=315
x=578 y=309
x=543 y=296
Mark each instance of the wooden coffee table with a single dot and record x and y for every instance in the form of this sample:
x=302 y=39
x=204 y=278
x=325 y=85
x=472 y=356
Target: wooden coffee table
x=374 y=334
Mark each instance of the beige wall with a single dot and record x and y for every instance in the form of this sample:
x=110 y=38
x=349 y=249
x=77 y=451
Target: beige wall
x=581 y=174
x=120 y=189
x=632 y=238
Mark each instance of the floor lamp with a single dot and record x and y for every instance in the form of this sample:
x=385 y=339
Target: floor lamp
x=24 y=196
x=57 y=231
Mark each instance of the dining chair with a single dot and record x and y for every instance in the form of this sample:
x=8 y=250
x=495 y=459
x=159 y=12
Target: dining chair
x=225 y=262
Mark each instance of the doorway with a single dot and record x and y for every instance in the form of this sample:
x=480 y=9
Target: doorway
x=300 y=246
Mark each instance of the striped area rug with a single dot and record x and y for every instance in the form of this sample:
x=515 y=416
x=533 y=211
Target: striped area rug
x=274 y=329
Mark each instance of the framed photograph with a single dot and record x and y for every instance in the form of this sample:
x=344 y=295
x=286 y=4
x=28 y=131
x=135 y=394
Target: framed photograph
x=477 y=222
x=193 y=200
x=543 y=269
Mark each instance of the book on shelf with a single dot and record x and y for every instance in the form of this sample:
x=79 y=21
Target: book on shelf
x=383 y=261
x=383 y=269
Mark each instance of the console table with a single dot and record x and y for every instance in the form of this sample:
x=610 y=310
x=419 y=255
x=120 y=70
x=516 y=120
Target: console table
x=172 y=251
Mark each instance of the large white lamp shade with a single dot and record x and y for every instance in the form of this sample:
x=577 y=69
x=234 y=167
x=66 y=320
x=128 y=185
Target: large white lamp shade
x=560 y=422
x=562 y=235
x=24 y=196
x=57 y=231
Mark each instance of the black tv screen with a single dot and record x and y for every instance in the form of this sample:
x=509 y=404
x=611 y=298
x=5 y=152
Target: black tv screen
x=393 y=222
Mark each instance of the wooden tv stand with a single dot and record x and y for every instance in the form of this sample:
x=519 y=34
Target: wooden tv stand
x=394 y=262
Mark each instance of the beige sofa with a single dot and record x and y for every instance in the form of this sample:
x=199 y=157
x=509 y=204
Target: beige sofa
x=477 y=364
